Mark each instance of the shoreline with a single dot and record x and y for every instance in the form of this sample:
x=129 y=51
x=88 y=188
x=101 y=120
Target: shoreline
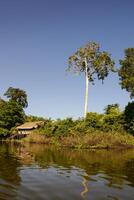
x=94 y=140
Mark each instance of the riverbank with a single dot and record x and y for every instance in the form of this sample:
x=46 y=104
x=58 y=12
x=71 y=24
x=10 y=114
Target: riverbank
x=90 y=140
x=97 y=131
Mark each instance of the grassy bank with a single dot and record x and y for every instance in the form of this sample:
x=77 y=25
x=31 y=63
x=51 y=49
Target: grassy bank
x=91 y=140
x=96 y=131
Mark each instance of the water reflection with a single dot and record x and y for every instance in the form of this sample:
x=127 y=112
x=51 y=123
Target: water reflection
x=9 y=175
x=34 y=171
x=85 y=185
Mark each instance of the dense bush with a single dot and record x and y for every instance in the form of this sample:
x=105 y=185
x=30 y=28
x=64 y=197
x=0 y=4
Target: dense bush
x=3 y=132
x=94 y=120
x=79 y=127
x=11 y=114
x=112 y=109
x=62 y=127
x=48 y=129
x=129 y=117
x=113 y=122
x=32 y=118
x=113 y=118
x=11 y=111
x=58 y=127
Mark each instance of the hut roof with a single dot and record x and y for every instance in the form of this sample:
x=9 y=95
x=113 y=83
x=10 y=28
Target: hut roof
x=30 y=125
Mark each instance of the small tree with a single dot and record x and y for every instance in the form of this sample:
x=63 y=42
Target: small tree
x=113 y=118
x=93 y=63
x=126 y=72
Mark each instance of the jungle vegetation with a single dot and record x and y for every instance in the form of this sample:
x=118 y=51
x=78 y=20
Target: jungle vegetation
x=113 y=127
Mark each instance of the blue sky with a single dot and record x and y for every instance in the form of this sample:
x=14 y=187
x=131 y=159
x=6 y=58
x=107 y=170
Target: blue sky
x=38 y=36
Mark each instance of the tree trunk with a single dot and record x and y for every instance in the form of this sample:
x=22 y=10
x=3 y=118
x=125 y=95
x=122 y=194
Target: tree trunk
x=86 y=93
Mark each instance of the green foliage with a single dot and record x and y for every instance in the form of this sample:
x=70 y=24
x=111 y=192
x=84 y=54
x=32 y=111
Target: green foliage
x=3 y=132
x=99 y=63
x=17 y=95
x=62 y=127
x=48 y=129
x=113 y=122
x=126 y=72
x=31 y=118
x=112 y=109
x=113 y=118
x=11 y=114
x=79 y=127
x=129 y=117
x=58 y=128
x=94 y=120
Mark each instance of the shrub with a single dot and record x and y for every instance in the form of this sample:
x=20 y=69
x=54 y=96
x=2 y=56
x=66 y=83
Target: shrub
x=113 y=122
x=3 y=132
x=48 y=128
x=94 y=120
x=129 y=117
x=32 y=118
x=79 y=127
x=62 y=127
x=57 y=128
x=113 y=119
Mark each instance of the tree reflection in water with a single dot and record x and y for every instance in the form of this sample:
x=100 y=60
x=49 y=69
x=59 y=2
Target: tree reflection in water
x=81 y=173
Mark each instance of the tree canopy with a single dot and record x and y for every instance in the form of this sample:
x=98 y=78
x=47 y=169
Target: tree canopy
x=99 y=63
x=11 y=111
x=17 y=95
x=126 y=72
x=112 y=109
x=11 y=114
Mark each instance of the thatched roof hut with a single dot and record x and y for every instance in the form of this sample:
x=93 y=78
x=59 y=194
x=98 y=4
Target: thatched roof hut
x=30 y=125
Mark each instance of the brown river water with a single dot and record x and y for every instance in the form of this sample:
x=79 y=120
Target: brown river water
x=38 y=172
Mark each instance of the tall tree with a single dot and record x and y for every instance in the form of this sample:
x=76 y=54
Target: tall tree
x=126 y=72
x=17 y=95
x=93 y=62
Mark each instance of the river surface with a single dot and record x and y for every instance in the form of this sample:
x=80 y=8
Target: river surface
x=38 y=172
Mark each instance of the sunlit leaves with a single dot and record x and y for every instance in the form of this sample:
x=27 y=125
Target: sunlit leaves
x=17 y=95
x=99 y=63
x=126 y=72
x=11 y=114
